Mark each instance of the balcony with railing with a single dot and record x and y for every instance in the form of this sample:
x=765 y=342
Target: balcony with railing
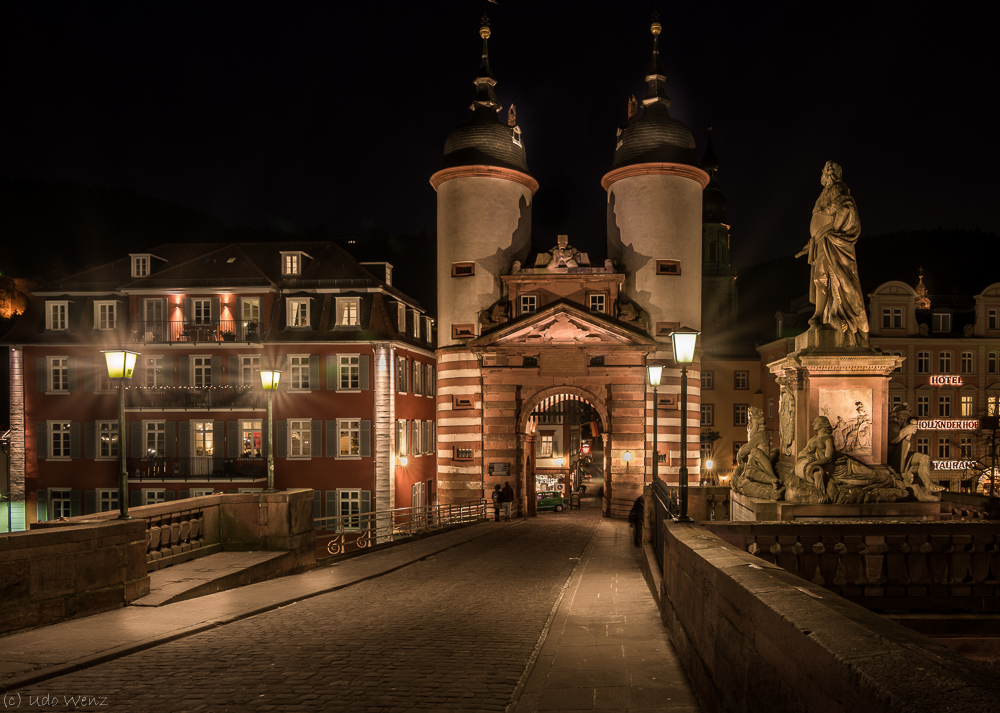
x=200 y=469
x=169 y=332
x=195 y=398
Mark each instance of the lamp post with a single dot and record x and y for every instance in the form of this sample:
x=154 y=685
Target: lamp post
x=655 y=372
x=269 y=379
x=121 y=364
x=683 y=341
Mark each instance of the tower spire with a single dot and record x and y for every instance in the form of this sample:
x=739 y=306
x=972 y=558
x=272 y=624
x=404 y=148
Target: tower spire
x=485 y=81
x=656 y=90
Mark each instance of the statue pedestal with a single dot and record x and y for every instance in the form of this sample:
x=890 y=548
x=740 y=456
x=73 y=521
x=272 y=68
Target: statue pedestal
x=850 y=386
x=746 y=509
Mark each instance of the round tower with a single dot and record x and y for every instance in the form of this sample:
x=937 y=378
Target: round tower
x=655 y=209
x=484 y=194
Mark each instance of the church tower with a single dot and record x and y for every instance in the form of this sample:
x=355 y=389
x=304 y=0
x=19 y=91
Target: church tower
x=484 y=194
x=719 y=298
x=654 y=209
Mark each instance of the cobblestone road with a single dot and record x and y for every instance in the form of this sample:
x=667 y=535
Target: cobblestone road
x=454 y=632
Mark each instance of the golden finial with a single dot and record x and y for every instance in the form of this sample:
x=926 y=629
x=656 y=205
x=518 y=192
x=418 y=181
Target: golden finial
x=655 y=28
x=484 y=32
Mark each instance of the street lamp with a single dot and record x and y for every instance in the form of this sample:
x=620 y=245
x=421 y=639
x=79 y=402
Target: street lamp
x=627 y=456
x=655 y=372
x=121 y=364
x=269 y=379
x=683 y=341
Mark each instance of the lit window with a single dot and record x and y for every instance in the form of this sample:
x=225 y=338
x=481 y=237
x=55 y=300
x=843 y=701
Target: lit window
x=140 y=265
x=156 y=438
x=400 y=318
x=707 y=415
x=529 y=303
x=104 y=315
x=299 y=367
x=297 y=311
x=545 y=441
x=55 y=315
x=349 y=437
x=350 y=507
x=598 y=303
x=402 y=375
x=923 y=362
x=107 y=439
x=204 y=445
x=300 y=438
x=944 y=406
x=418 y=378
x=944 y=362
x=416 y=325
x=350 y=373
x=967 y=362
x=968 y=404
x=59 y=439
x=402 y=438
x=251 y=439
x=347 y=312
x=992 y=405
x=291 y=263
x=741 y=380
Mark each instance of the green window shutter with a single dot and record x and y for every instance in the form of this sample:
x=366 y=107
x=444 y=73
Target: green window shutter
x=184 y=439
x=89 y=502
x=42 y=505
x=316 y=447
x=216 y=310
x=71 y=370
x=74 y=503
x=90 y=367
x=280 y=439
x=366 y=439
x=185 y=364
x=366 y=501
x=169 y=495
x=216 y=371
x=233 y=446
x=74 y=439
x=42 y=439
x=136 y=498
x=168 y=371
x=332 y=377
x=42 y=374
x=184 y=495
x=332 y=510
x=137 y=444
x=314 y=372
x=332 y=439
x=234 y=371
x=317 y=505
x=363 y=371
x=170 y=437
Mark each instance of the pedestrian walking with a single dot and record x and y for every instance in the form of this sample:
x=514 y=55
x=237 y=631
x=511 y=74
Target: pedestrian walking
x=507 y=498
x=635 y=517
x=496 y=495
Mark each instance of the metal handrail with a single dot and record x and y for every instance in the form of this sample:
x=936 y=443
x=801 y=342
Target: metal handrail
x=368 y=529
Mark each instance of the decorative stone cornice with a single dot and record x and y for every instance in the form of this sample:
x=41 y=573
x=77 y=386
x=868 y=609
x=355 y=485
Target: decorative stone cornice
x=484 y=171
x=653 y=169
x=875 y=364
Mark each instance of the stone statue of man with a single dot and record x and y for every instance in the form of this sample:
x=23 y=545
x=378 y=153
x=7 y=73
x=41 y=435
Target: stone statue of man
x=834 y=287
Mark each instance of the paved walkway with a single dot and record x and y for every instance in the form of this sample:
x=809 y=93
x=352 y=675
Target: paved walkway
x=544 y=614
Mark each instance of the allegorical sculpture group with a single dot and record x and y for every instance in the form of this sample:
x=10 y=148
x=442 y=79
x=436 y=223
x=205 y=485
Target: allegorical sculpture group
x=821 y=473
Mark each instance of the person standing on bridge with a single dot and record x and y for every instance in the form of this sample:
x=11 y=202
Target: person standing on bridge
x=635 y=518
x=507 y=498
x=497 y=496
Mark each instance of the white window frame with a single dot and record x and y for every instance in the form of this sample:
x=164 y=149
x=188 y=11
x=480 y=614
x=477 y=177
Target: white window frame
x=201 y=370
x=105 y=315
x=291 y=263
x=944 y=362
x=152 y=368
x=201 y=310
x=300 y=426
x=201 y=492
x=154 y=496
x=968 y=362
x=402 y=375
x=57 y=315
x=707 y=380
x=348 y=311
x=349 y=505
x=401 y=318
x=250 y=369
x=203 y=438
x=428 y=322
x=349 y=370
x=923 y=362
x=967 y=405
x=418 y=378
x=250 y=309
x=402 y=438
x=924 y=445
x=140 y=265
x=546 y=444
x=416 y=324
x=597 y=302
x=923 y=406
x=297 y=312
x=60 y=503
x=107 y=500
x=152 y=311
x=64 y=440
x=741 y=379
x=941 y=322
x=58 y=374
x=255 y=429
x=944 y=405
x=158 y=430
x=110 y=429
x=707 y=414
x=944 y=450
x=528 y=304
x=298 y=373
x=345 y=428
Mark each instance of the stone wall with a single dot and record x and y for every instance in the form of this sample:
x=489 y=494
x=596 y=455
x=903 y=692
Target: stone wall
x=754 y=637
x=54 y=574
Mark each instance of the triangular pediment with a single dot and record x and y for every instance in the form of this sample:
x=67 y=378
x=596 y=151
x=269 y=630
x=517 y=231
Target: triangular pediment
x=562 y=324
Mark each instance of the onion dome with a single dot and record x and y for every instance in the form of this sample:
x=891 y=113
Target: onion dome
x=923 y=301
x=713 y=203
x=484 y=139
x=655 y=137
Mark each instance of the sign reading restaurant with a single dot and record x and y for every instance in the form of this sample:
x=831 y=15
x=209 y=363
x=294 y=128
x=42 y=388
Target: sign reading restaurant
x=948 y=424
x=954 y=464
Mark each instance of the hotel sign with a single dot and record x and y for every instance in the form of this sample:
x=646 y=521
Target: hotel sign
x=948 y=424
x=941 y=380
x=954 y=464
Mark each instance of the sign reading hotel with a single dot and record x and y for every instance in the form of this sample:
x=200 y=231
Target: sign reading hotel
x=941 y=380
x=948 y=424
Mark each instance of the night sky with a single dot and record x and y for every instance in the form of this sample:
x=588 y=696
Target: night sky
x=335 y=115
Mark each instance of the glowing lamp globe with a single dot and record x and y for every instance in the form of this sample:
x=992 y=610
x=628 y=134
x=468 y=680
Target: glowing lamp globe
x=121 y=363
x=684 y=340
x=269 y=379
x=655 y=372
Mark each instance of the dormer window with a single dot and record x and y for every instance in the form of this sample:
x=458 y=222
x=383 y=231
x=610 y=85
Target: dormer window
x=347 y=312
x=298 y=311
x=517 y=136
x=941 y=322
x=55 y=315
x=291 y=263
x=416 y=325
x=105 y=316
x=140 y=265
x=400 y=318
